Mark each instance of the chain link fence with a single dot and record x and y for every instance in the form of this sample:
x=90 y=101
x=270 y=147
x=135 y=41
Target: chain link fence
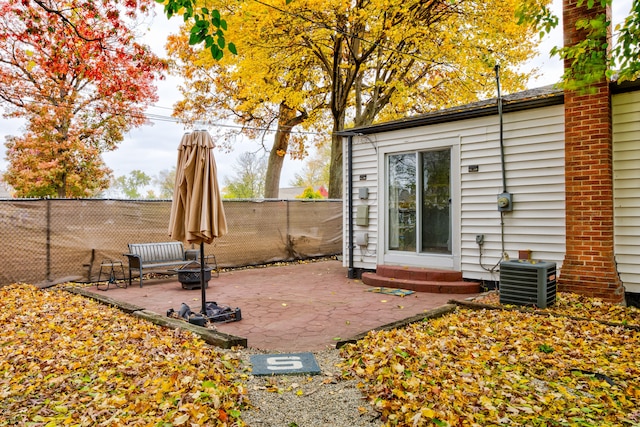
x=52 y=241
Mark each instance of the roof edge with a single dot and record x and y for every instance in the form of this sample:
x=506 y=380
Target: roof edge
x=527 y=100
x=625 y=86
x=534 y=98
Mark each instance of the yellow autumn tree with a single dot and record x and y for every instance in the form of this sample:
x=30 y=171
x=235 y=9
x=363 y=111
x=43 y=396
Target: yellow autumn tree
x=266 y=91
x=355 y=62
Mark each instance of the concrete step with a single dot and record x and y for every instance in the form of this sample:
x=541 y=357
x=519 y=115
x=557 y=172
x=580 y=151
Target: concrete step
x=420 y=280
x=416 y=273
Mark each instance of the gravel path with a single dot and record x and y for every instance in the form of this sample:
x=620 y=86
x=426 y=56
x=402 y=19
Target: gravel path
x=307 y=401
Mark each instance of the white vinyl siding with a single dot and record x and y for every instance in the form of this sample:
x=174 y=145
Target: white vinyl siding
x=365 y=175
x=534 y=158
x=534 y=154
x=534 y=169
x=626 y=191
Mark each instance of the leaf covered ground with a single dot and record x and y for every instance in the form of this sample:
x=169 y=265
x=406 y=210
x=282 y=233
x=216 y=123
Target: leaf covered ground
x=68 y=360
x=479 y=367
x=579 y=307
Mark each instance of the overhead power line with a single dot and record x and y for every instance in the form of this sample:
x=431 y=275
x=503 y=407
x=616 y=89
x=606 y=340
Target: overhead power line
x=170 y=119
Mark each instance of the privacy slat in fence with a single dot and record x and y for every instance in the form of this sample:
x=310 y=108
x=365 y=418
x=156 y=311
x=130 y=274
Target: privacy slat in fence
x=49 y=241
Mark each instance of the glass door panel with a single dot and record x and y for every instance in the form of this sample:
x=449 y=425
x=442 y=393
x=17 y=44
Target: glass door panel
x=402 y=202
x=435 y=218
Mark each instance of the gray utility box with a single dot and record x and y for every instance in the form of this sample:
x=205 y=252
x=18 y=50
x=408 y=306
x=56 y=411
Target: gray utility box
x=530 y=283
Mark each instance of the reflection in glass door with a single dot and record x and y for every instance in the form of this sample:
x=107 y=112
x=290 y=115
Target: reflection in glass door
x=402 y=202
x=436 y=201
x=419 y=202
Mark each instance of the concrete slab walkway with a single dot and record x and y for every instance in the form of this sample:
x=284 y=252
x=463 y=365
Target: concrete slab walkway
x=299 y=307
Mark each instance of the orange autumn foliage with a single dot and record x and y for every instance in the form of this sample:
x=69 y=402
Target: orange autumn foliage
x=75 y=73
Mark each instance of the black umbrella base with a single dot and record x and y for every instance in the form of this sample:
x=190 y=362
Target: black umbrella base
x=215 y=314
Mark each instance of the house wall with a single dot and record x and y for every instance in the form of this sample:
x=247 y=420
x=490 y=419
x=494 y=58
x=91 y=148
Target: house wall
x=626 y=192
x=365 y=175
x=534 y=163
x=534 y=154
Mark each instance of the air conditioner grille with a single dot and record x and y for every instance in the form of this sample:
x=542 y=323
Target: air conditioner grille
x=530 y=283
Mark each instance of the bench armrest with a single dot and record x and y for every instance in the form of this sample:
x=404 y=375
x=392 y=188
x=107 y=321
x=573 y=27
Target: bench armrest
x=134 y=260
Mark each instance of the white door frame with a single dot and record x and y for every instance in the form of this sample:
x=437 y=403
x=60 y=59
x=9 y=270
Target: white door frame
x=416 y=259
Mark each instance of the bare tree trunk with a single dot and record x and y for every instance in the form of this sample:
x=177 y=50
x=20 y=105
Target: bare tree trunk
x=287 y=119
x=335 y=161
x=335 y=168
x=274 y=167
x=342 y=80
x=61 y=187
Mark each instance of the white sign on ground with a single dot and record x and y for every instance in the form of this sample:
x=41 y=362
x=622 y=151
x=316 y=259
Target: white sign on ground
x=284 y=364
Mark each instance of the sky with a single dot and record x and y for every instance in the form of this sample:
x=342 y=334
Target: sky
x=153 y=148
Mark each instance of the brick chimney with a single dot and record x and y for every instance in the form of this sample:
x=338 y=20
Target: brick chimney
x=589 y=266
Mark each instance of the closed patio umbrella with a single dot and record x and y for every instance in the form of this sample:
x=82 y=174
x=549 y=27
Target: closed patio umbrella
x=197 y=213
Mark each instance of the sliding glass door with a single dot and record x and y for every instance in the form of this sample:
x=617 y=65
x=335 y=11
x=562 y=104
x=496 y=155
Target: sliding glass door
x=419 y=202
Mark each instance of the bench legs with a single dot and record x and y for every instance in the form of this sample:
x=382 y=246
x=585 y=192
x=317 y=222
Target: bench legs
x=209 y=260
x=140 y=271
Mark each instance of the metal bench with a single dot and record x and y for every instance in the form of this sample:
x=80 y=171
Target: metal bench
x=155 y=255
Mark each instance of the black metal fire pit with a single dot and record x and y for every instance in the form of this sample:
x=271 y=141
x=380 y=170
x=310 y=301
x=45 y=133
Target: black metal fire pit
x=190 y=274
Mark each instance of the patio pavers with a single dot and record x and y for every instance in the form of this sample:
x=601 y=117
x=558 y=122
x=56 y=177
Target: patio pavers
x=298 y=307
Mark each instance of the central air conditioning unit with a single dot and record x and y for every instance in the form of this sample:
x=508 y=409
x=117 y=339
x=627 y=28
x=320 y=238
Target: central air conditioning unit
x=525 y=282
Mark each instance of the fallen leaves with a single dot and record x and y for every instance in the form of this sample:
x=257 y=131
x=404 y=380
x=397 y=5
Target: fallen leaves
x=579 y=306
x=281 y=385
x=498 y=367
x=67 y=360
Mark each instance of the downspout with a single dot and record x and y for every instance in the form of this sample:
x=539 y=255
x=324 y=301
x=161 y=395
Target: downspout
x=351 y=270
x=504 y=177
x=505 y=200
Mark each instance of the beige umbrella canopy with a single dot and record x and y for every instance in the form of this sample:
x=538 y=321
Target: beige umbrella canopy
x=197 y=213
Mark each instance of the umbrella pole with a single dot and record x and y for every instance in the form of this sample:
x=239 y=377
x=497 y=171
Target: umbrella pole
x=202 y=281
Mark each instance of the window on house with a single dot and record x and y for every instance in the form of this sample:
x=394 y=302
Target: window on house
x=419 y=202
